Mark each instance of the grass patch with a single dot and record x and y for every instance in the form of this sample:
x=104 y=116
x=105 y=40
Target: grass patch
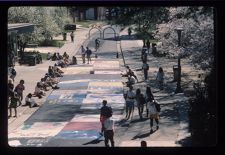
x=51 y=43
x=87 y=23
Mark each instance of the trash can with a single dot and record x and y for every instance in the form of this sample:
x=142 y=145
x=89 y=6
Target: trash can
x=175 y=72
x=64 y=36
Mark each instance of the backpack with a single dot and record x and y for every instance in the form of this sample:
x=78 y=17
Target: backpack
x=157 y=106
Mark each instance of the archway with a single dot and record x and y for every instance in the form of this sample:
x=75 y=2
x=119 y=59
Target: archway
x=97 y=29
x=111 y=29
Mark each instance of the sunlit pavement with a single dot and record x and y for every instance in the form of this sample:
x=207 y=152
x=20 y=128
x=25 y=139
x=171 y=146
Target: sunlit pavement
x=70 y=116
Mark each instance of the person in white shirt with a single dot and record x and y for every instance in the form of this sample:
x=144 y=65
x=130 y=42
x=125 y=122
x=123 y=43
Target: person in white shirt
x=109 y=132
x=29 y=101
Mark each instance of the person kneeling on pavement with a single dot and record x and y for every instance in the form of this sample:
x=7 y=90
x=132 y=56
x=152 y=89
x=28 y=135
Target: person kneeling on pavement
x=29 y=101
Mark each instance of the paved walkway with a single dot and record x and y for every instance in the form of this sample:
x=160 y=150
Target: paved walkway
x=33 y=74
x=70 y=115
x=173 y=129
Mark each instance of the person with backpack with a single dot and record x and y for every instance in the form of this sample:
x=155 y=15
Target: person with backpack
x=140 y=100
x=154 y=114
x=88 y=52
x=105 y=112
x=145 y=68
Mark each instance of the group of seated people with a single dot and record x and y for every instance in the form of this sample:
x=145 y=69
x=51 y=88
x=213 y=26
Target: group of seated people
x=49 y=80
x=62 y=60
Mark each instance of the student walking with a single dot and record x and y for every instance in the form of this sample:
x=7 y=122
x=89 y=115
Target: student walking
x=148 y=98
x=72 y=36
x=19 y=89
x=83 y=53
x=153 y=115
x=88 y=52
x=160 y=78
x=105 y=112
x=130 y=99
x=145 y=68
x=140 y=100
x=129 y=32
x=109 y=132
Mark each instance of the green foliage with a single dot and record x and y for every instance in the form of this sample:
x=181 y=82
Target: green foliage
x=203 y=114
x=53 y=43
x=49 y=21
x=143 y=18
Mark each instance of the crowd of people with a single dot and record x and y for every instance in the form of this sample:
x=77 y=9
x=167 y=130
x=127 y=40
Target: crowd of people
x=16 y=93
x=143 y=101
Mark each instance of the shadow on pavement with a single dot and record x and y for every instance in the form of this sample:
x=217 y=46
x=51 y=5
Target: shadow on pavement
x=143 y=135
x=185 y=142
x=139 y=120
x=95 y=141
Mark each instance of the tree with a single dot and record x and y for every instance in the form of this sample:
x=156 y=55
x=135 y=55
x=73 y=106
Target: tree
x=49 y=21
x=197 y=35
x=198 y=43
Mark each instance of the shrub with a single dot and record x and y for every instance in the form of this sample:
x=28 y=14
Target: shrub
x=53 y=43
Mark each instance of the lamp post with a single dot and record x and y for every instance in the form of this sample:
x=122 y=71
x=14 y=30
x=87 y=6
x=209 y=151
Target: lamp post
x=178 y=89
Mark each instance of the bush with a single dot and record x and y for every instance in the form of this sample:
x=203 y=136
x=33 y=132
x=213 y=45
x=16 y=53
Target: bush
x=53 y=43
x=203 y=115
